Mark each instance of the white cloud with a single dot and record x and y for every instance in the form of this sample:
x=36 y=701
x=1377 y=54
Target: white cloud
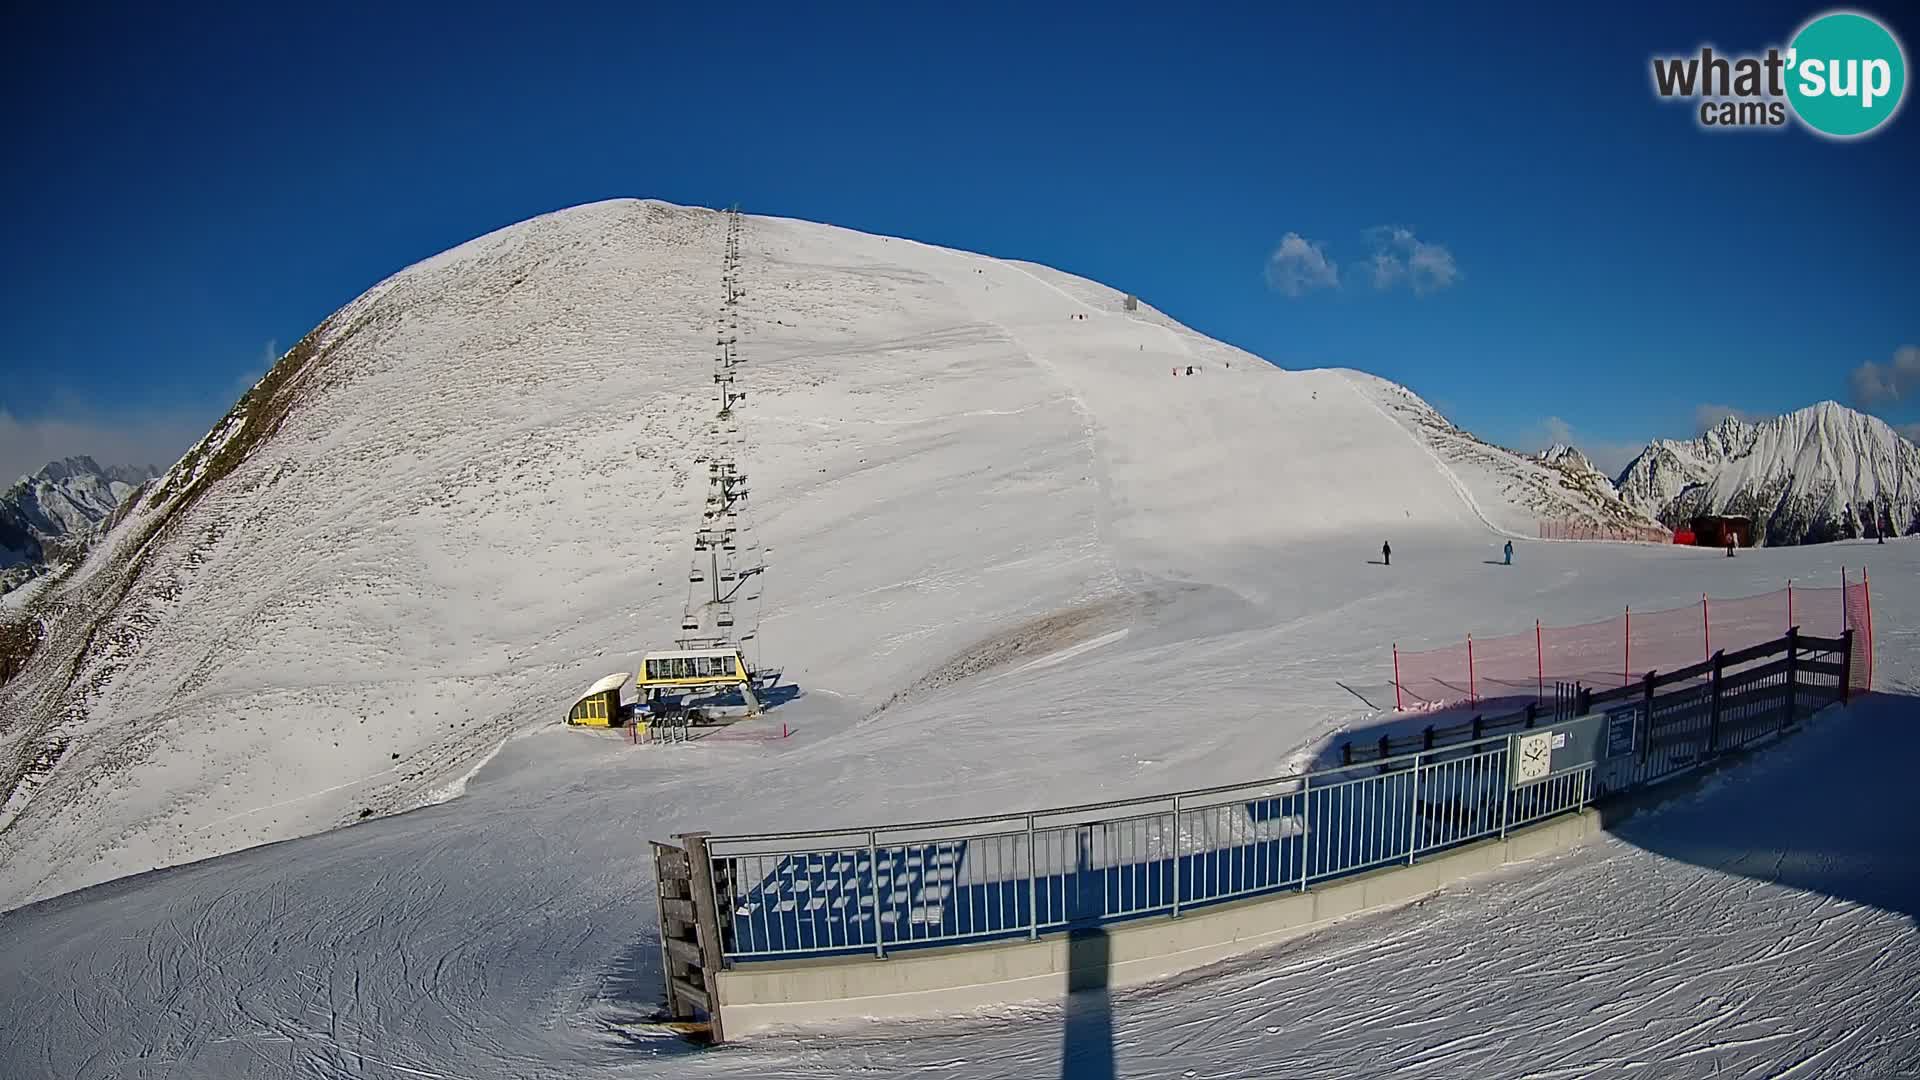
x=1399 y=255
x=245 y=380
x=26 y=445
x=72 y=426
x=1883 y=384
x=1386 y=269
x=1298 y=266
x=1707 y=416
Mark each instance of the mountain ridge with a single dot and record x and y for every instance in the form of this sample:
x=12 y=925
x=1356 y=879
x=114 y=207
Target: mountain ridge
x=1819 y=473
x=54 y=512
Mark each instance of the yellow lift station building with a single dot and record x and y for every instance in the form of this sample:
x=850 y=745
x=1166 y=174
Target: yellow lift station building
x=600 y=705
x=694 y=669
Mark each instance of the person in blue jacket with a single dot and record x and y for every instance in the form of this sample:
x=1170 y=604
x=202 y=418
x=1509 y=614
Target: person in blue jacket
x=1509 y=553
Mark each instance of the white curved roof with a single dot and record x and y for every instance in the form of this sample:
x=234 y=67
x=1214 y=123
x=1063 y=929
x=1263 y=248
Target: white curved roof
x=688 y=654
x=612 y=682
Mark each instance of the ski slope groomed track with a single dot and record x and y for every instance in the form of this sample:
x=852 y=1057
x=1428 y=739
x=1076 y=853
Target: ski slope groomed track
x=1763 y=926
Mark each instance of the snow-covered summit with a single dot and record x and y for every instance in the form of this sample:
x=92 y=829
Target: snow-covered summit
x=1566 y=457
x=60 y=504
x=1808 y=476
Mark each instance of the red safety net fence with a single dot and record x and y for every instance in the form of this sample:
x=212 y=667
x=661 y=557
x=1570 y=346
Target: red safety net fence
x=1593 y=530
x=1626 y=647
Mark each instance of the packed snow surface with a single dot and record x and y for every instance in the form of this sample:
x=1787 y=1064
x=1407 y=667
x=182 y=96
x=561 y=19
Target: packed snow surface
x=1765 y=923
x=1014 y=561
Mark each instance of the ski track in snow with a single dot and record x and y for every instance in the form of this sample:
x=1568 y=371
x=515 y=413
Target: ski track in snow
x=402 y=572
x=1439 y=465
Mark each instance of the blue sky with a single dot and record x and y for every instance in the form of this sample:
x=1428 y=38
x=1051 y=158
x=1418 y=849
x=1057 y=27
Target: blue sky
x=190 y=191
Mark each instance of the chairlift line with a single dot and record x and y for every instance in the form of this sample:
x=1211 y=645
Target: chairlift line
x=723 y=525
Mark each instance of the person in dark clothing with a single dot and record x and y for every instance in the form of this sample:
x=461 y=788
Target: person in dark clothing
x=1509 y=553
x=1189 y=369
x=1386 y=553
x=1730 y=539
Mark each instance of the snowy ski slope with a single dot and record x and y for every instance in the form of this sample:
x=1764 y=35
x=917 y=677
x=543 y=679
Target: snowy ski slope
x=1014 y=562
x=470 y=493
x=510 y=932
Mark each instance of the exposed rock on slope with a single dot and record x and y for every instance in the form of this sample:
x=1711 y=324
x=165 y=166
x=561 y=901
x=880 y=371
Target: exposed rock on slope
x=1516 y=492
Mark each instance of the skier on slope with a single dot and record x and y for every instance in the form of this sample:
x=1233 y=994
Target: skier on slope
x=1509 y=553
x=1386 y=553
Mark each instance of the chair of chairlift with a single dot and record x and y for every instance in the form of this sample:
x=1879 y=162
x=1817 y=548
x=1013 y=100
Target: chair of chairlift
x=689 y=624
x=727 y=575
x=697 y=575
x=726 y=619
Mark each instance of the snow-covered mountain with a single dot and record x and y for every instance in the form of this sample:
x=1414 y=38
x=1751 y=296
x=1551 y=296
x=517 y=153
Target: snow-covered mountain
x=471 y=492
x=54 y=512
x=1806 y=477
x=1569 y=458
x=984 y=496
x=1517 y=491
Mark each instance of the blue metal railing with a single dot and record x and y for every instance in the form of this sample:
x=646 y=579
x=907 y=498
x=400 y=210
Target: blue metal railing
x=876 y=890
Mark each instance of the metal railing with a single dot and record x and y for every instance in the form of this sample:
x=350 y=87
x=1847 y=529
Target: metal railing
x=1006 y=876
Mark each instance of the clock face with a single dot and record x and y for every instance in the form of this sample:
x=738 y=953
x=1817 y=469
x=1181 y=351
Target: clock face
x=1533 y=757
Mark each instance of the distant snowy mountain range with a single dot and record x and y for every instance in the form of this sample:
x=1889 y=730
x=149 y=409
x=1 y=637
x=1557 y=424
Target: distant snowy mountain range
x=1816 y=474
x=52 y=513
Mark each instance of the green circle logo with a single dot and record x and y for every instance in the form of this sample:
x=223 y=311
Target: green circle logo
x=1846 y=74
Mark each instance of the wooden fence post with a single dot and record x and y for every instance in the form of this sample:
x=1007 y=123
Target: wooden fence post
x=1793 y=680
x=1706 y=627
x=1646 y=701
x=706 y=912
x=1846 y=664
x=1626 y=666
x=1713 y=714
